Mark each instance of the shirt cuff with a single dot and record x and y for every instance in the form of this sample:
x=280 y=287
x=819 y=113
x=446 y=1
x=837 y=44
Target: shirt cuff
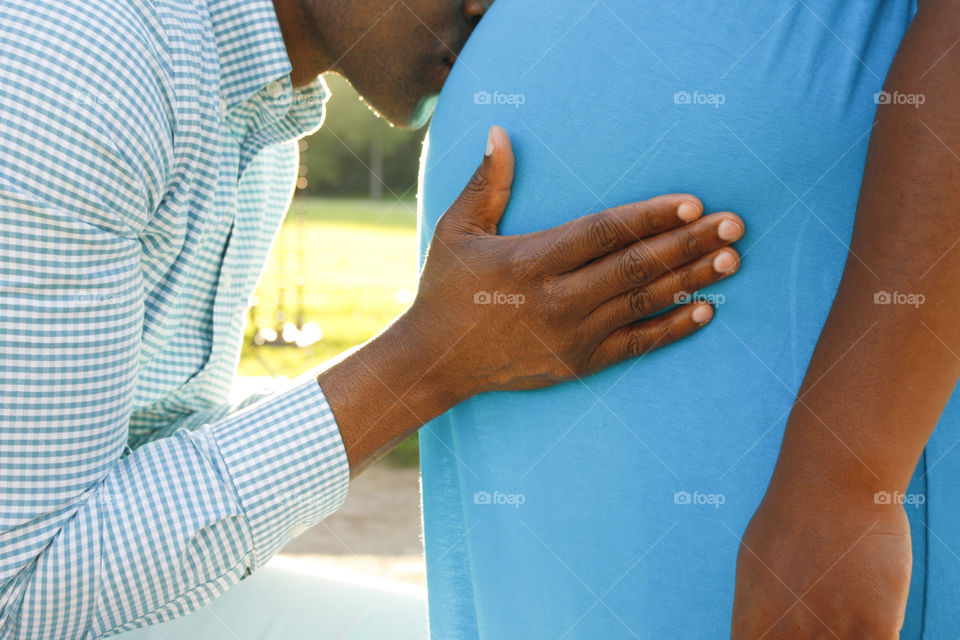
x=287 y=461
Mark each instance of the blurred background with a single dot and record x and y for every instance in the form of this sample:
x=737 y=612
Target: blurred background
x=344 y=265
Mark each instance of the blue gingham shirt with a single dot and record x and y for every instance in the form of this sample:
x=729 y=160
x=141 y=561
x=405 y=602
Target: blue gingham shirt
x=147 y=155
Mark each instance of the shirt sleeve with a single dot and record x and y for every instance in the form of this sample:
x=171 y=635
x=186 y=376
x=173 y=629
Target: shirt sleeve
x=185 y=517
x=93 y=541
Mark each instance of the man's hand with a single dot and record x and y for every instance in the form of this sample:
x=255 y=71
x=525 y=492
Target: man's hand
x=520 y=312
x=823 y=564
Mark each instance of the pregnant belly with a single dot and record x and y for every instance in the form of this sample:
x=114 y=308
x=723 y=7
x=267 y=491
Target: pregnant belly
x=757 y=108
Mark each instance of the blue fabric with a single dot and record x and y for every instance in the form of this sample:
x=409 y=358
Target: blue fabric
x=563 y=512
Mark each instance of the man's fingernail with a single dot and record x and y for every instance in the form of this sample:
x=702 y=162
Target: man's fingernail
x=491 y=144
x=724 y=262
x=702 y=314
x=729 y=230
x=688 y=212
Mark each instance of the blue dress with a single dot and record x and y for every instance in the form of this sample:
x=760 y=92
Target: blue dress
x=612 y=507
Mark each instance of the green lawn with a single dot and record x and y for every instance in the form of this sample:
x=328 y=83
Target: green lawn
x=356 y=261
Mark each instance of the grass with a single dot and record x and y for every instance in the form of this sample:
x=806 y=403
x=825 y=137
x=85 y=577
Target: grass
x=355 y=262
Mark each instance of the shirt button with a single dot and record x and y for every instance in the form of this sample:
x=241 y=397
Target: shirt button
x=223 y=106
x=297 y=530
x=275 y=89
x=227 y=280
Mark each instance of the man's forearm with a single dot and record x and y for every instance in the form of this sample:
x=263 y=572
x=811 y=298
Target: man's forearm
x=384 y=391
x=884 y=369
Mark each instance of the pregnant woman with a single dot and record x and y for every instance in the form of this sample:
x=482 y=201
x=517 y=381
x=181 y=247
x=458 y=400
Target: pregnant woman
x=614 y=506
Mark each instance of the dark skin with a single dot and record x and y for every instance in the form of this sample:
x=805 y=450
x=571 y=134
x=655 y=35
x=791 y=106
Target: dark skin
x=822 y=558
x=588 y=288
x=397 y=55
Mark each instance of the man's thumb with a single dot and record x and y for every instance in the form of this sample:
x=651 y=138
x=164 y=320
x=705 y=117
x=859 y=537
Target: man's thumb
x=484 y=199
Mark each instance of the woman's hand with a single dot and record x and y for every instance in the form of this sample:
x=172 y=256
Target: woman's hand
x=823 y=564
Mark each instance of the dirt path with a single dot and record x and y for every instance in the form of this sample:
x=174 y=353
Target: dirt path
x=377 y=531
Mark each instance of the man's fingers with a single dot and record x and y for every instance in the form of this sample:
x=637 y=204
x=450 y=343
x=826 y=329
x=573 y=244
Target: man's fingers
x=643 y=337
x=644 y=261
x=579 y=241
x=482 y=202
x=669 y=289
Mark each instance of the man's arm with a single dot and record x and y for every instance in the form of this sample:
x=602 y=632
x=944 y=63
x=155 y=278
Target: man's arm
x=93 y=541
x=821 y=554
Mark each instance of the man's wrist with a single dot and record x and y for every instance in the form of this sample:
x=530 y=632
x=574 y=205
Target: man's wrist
x=388 y=388
x=418 y=353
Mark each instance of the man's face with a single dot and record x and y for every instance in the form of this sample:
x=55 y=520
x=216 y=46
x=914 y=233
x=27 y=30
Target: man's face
x=397 y=53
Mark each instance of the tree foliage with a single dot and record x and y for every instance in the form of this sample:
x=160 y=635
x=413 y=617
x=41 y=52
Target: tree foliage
x=356 y=153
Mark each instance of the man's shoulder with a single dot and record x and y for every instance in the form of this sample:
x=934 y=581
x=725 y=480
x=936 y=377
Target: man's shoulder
x=109 y=53
x=93 y=88
x=90 y=32
x=82 y=61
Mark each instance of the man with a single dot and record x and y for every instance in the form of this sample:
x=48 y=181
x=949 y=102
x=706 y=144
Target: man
x=146 y=163
x=613 y=506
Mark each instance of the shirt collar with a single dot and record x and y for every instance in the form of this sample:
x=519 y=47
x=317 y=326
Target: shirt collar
x=253 y=60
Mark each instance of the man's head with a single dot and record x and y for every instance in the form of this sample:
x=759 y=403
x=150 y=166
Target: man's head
x=396 y=53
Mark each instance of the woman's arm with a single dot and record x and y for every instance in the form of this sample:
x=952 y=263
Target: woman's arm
x=827 y=554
